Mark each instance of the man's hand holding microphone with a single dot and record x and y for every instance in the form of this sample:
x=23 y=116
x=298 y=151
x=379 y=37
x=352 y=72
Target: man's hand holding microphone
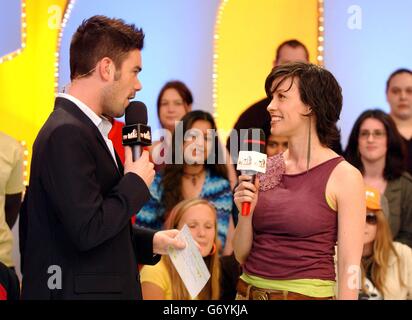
x=136 y=135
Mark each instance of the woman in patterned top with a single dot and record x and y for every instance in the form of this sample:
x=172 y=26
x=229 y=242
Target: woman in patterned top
x=198 y=170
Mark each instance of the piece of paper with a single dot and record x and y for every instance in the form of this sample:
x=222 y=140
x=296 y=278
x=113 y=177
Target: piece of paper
x=189 y=263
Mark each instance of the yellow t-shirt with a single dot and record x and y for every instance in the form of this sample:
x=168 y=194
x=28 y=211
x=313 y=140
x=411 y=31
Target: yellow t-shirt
x=11 y=182
x=158 y=275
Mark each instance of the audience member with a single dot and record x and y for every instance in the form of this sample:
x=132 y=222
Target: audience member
x=386 y=265
x=375 y=147
x=399 y=96
x=162 y=281
x=198 y=171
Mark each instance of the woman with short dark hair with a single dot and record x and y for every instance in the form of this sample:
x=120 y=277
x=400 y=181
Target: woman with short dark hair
x=308 y=199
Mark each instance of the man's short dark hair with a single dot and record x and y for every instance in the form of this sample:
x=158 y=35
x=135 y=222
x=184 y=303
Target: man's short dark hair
x=395 y=73
x=291 y=43
x=319 y=90
x=99 y=37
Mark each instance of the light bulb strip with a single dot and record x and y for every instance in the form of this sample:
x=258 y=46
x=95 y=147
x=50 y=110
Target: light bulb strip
x=12 y=55
x=321 y=33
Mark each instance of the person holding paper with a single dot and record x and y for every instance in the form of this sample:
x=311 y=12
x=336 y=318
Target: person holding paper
x=162 y=281
x=308 y=199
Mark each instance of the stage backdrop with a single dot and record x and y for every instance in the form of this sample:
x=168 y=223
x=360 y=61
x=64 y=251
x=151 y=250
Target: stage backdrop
x=223 y=50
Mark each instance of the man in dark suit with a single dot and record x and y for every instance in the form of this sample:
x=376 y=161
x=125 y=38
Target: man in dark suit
x=77 y=241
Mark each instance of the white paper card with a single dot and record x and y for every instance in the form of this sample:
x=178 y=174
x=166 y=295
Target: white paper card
x=189 y=263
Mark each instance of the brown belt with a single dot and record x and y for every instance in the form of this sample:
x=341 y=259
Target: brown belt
x=250 y=292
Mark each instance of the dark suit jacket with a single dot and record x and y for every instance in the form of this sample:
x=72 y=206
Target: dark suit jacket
x=76 y=215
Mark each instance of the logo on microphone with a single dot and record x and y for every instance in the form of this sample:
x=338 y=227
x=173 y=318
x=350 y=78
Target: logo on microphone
x=136 y=134
x=252 y=160
x=132 y=135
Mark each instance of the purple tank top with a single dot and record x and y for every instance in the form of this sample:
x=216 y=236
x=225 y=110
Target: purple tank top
x=294 y=229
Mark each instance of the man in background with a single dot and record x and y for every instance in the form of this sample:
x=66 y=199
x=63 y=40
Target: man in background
x=399 y=97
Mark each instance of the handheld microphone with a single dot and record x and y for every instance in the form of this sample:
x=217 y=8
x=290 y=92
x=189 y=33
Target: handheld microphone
x=136 y=133
x=252 y=158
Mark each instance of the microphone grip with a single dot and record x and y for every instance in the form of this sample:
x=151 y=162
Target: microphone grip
x=246 y=205
x=245 y=208
x=136 y=152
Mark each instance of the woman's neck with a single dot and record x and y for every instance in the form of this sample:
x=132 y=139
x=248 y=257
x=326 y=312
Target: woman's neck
x=373 y=170
x=367 y=250
x=299 y=155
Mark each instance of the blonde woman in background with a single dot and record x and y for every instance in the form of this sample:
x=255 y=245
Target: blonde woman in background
x=161 y=281
x=386 y=264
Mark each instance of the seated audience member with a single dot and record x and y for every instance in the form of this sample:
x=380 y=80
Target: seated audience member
x=197 y=172
x=276 y=144
x=162 y=281
x=399 y=97
x=173 y=102
x=375 y=147
x=387 y=265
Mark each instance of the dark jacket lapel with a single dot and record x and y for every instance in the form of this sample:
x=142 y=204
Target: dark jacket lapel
x=75 y=111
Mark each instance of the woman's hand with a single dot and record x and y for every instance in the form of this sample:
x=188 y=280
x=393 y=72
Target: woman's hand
x=246 y=192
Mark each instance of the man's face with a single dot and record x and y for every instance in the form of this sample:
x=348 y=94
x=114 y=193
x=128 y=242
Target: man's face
x=399 y=96
x=276 y=145
x=125 y=84
x=289 y=54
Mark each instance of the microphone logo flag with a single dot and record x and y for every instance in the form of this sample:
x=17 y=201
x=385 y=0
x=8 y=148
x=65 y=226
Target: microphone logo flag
x=251 y=161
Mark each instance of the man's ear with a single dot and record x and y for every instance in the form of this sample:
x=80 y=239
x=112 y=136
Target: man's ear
x=106 y=68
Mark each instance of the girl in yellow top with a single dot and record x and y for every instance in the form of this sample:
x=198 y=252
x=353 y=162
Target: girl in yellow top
x=161 y=281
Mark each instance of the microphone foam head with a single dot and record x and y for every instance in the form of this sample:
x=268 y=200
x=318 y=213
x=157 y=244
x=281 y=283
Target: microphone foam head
x=136 y=112
x=253 y=140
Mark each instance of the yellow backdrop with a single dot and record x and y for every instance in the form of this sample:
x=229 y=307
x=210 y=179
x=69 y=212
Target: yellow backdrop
x=247 y=35
x=27 y=80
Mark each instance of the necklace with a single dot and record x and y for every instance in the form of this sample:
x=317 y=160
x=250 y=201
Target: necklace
x=193 y=176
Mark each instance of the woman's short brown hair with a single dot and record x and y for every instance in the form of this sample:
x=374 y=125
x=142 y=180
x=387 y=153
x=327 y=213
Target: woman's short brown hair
x=319 y=90
x=99 y=37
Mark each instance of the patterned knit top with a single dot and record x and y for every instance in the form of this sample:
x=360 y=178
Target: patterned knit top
x=216 y=190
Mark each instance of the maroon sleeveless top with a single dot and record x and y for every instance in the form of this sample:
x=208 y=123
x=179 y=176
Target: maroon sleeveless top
x=294 y=229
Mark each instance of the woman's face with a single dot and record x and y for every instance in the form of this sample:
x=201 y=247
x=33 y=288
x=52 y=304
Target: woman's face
x=372 y=140
x=172 y=108
x=201 y=221
x=287 y=110
x=370 y=228
x=198 y=142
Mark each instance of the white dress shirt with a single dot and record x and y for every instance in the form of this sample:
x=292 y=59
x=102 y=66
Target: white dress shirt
x=103 y=125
